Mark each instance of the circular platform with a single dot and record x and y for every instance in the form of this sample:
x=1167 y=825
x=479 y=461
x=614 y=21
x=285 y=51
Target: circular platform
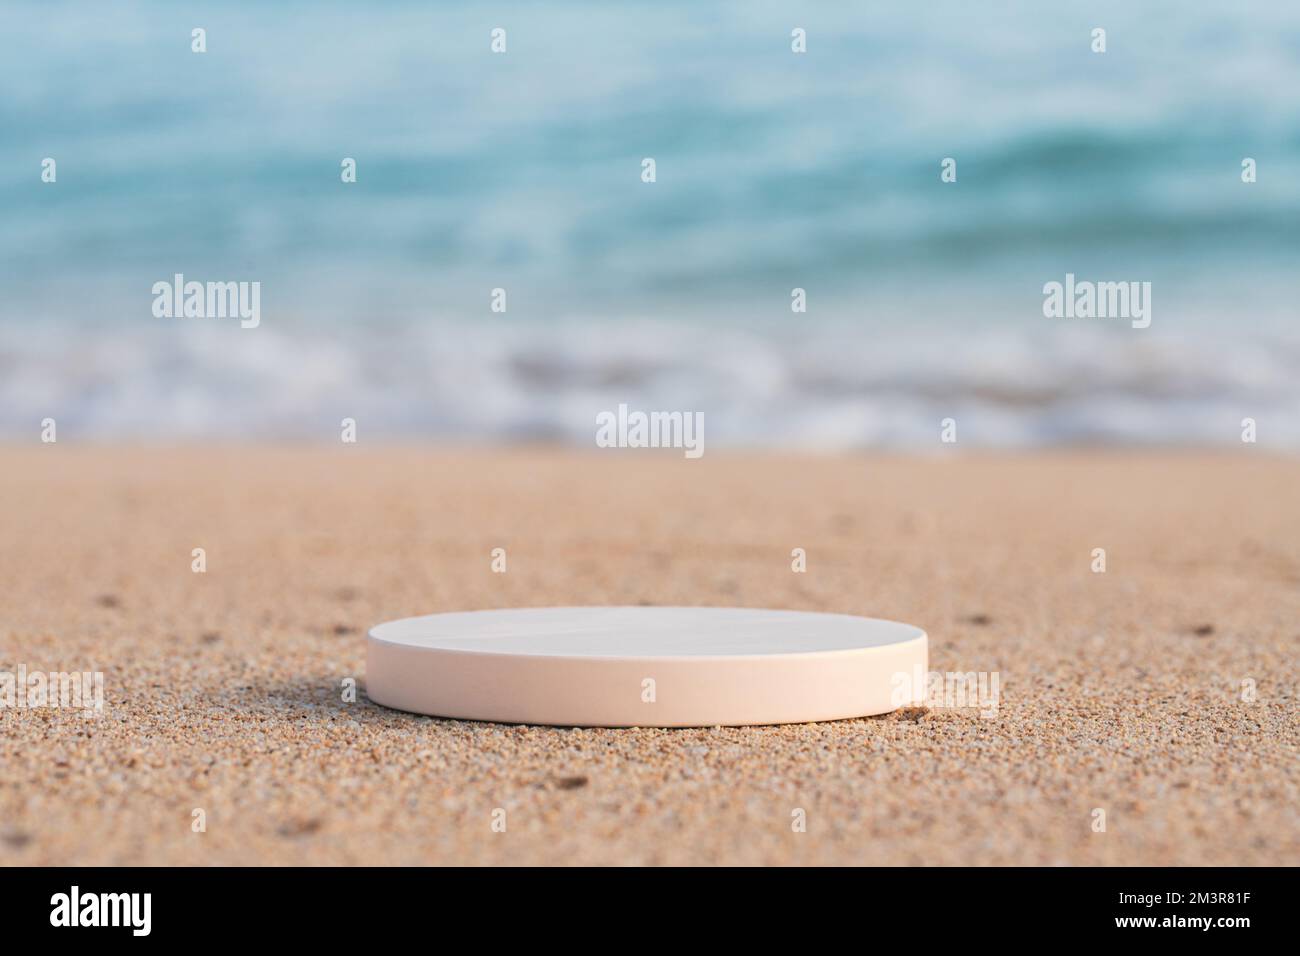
x=645 y=666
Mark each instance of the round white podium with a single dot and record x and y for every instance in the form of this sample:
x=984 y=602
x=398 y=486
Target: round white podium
x=645 y=666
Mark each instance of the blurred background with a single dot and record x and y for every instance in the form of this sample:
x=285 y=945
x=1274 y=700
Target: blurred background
x=775 y=171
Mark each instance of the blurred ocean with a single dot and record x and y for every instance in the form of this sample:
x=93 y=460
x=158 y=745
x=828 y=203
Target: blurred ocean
x=775 y=171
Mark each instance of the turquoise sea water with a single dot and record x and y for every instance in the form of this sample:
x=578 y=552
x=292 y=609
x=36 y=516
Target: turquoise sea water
x=774 y=171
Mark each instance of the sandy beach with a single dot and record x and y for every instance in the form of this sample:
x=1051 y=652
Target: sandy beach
x=1161 y=692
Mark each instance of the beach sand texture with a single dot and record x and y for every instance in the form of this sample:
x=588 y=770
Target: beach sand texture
x=1119 y=691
